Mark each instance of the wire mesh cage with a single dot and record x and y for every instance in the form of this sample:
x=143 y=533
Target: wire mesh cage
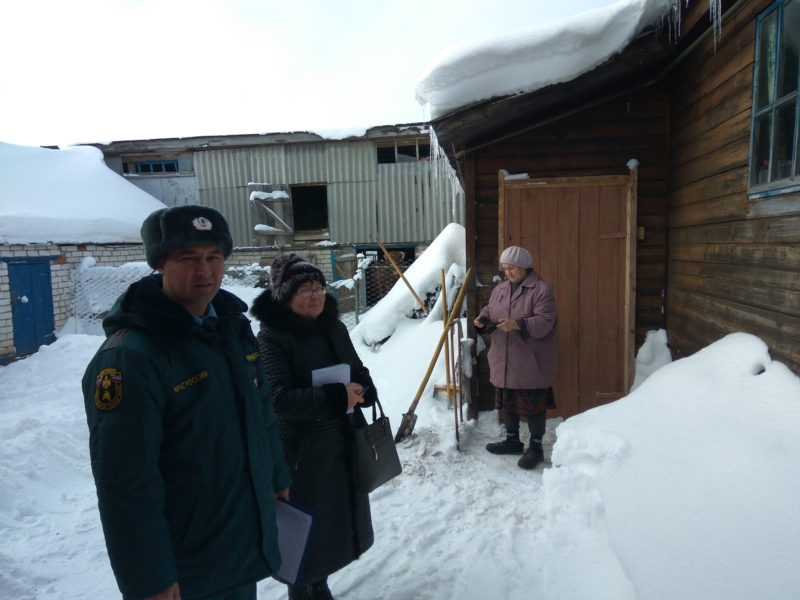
x=95 y=289
x=372 y=281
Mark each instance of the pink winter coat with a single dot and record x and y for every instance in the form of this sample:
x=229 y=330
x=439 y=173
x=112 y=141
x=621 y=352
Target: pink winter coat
x=524 y=359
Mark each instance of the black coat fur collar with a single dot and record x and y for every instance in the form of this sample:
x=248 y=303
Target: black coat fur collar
x=279 y=316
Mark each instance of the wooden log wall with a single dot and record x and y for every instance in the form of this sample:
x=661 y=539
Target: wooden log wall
x=733 y=263
x=597 y=141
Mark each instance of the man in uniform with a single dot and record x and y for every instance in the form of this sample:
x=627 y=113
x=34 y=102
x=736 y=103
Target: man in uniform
x=184 y=442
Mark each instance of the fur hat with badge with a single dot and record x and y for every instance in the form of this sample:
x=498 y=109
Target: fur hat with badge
x=169 y=229
x=289 y=272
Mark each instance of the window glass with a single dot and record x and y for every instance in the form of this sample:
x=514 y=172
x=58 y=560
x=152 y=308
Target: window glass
x=761 y=132
x=766 y=60
x=790 y=44
x=784 y=139
x=158 y=166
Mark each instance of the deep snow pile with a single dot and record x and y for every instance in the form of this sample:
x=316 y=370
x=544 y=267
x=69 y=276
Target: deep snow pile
x=528 y=59
x=67 y=196
x=424 y=275
x=686 y=488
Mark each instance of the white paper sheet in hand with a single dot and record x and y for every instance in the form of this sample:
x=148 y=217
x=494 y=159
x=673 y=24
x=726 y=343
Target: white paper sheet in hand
x=294 y=531
x=334 y=374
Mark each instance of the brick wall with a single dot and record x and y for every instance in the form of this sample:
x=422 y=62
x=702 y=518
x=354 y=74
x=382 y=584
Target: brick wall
x=6 y=337
x=110 y=255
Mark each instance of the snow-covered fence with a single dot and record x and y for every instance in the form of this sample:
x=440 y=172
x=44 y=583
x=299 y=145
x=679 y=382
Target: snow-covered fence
x=252 y=275
x=94 y=290
x=372 y=281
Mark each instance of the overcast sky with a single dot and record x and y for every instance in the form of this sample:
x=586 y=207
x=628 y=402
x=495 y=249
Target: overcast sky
x=102 y=70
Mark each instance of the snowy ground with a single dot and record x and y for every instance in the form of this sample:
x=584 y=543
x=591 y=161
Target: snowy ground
x=687 y=488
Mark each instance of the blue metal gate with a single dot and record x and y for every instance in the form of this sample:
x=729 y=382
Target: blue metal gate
x=31 y=303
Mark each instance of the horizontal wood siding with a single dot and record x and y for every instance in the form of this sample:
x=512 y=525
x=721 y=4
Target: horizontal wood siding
x=733 y=263
x=597 y=141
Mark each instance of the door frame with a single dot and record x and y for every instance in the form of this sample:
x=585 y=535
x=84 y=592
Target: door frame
x=505 y=183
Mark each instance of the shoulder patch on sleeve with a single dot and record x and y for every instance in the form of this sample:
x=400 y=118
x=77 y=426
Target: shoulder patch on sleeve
x=115 y=338
x=108 y=389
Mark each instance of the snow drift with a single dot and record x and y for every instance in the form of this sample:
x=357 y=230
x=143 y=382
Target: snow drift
x=686 y=488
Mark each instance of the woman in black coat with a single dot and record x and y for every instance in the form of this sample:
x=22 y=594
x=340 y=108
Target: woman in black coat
x=301 y=332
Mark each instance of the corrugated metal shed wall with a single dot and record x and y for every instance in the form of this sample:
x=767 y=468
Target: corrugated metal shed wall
x=222 y=178
x=399 y=203
x=305 y=163
x=217 y=169
x=234 y=203
x=268 y=165
x=352 y=212
x=399 y=196
x=351 y=161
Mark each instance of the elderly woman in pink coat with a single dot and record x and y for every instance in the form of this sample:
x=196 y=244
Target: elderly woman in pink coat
x=521 y=318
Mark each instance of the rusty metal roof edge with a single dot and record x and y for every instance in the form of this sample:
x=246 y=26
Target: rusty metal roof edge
x=216 y=142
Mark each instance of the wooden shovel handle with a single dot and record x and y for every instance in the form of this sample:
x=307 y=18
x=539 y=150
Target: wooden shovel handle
x=456 y=310
x=399 y=272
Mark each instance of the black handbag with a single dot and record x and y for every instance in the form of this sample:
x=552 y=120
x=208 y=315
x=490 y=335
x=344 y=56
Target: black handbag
x=375 y=459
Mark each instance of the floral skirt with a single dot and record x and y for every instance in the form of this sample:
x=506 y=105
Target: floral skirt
x=525 y=403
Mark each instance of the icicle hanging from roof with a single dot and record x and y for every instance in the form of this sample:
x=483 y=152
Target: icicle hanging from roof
x=443 y=173
x=715 y=12
x=673 y=18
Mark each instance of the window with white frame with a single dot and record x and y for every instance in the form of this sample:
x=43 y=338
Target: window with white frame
x=775 y=133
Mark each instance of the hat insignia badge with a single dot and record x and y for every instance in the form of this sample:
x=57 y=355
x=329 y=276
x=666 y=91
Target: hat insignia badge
x=202 y=224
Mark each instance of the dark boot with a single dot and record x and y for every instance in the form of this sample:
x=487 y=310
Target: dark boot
x=302 y=592
x=510 y=445
x=531 y=459
x=320 y=591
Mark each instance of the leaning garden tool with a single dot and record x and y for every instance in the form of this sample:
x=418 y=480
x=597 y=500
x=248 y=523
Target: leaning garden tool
x=399 y=272
x=456 y=375
x=409 y=418
x=447 y=344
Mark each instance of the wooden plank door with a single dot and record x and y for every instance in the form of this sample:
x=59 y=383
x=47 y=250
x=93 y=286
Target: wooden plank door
x=581 y=233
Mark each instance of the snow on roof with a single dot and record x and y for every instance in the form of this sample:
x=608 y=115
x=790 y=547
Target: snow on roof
x=341 y=133
x=67 y=196
x=528 y=59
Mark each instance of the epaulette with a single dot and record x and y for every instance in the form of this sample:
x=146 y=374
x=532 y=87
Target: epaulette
x=115 y=338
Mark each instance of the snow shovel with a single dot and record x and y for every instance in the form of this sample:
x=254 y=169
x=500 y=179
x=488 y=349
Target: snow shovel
x=409 y=418
x=399 y=272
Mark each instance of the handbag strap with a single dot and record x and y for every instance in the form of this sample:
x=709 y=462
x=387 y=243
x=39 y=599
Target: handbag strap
x=363 y=419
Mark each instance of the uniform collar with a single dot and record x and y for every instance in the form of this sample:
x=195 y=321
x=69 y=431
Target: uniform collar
x=210 y=317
